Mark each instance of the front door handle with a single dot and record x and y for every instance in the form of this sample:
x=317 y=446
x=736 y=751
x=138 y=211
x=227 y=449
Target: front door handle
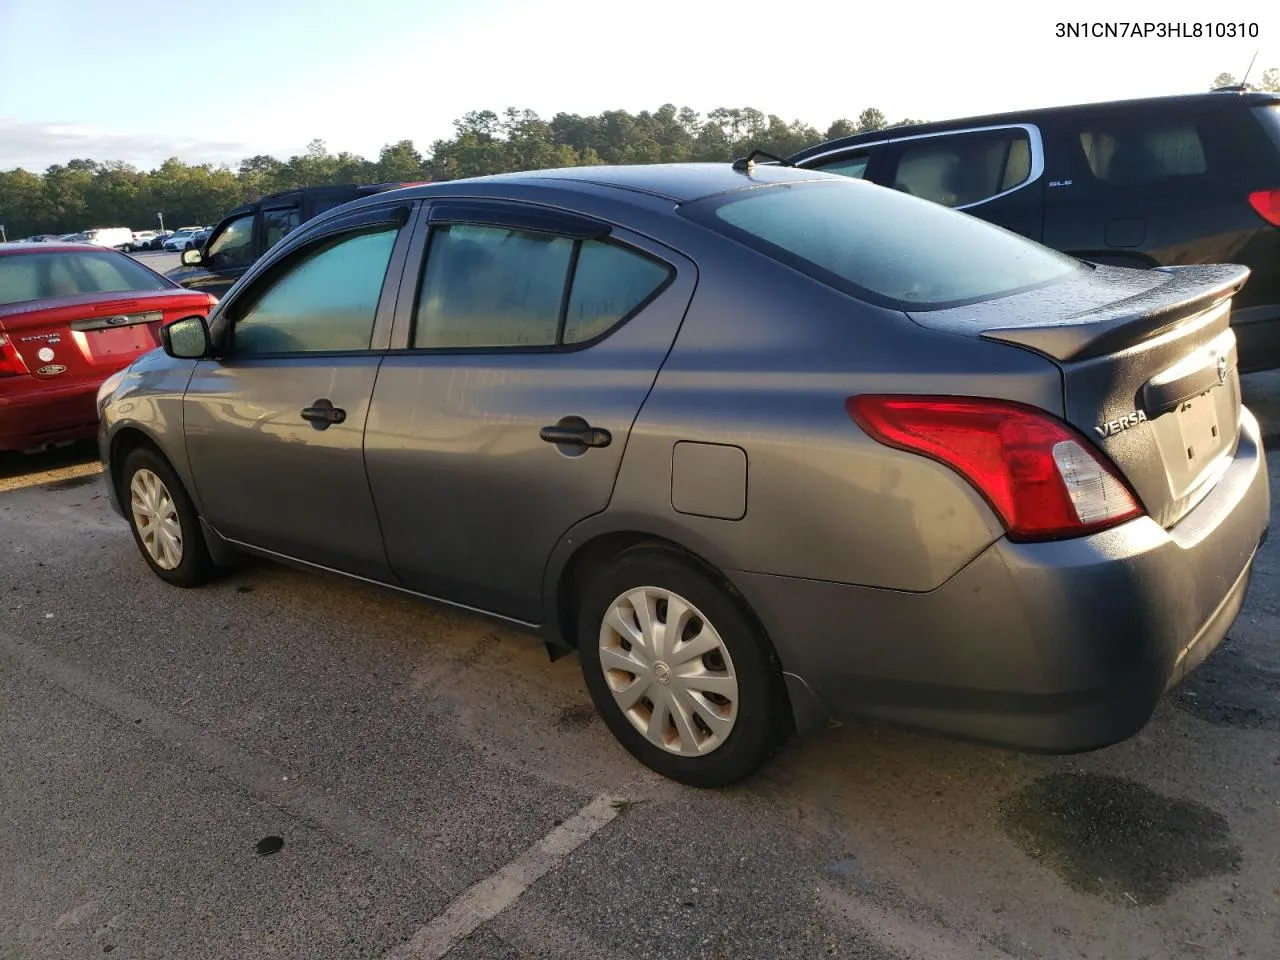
x=322 y=413
x=576 y=432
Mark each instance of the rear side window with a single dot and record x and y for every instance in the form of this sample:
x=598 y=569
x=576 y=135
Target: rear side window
x=41 y=276
x=1269 y=117
x=492 y=287
x=324 y=300
x=964 y=168
x=882 y=246
x=1135 y=148
x=609 y=283
x=854 y=166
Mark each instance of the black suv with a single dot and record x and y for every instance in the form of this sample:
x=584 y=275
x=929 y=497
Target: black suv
x=247 y=232
x=1140 y=183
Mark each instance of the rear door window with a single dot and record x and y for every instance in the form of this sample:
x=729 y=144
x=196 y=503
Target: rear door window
x=488 y=287
x=962 y=169
x=278 y=224
x=610 y=283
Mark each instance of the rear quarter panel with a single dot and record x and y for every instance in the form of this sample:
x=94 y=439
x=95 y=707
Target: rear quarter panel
x=765 y=361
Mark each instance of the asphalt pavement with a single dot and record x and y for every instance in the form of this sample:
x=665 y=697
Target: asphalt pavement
x=159 y=260
x=287 y=765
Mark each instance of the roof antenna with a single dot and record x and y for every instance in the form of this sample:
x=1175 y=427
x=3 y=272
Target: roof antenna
x=748 y=162
x=1244 y=81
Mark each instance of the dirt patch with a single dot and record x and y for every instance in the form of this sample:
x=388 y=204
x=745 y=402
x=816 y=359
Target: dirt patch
x=1117 y=839
x=1232 y=690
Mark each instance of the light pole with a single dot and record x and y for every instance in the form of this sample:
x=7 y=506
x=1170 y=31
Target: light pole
x=161 y=216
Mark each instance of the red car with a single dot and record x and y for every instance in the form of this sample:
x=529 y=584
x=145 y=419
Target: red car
x=70 y=316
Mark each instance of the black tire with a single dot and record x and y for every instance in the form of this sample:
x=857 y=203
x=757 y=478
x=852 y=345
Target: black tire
x=763 y=719
x=195 y=565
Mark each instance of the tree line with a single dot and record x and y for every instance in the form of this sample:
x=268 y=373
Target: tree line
x=85 y=193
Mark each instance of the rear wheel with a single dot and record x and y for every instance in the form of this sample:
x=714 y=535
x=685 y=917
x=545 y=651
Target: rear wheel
x=164 y=520
x=679 y=672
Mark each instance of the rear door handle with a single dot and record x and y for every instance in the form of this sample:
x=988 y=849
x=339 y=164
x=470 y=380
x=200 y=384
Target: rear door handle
x=576 y=432
x=322 y=413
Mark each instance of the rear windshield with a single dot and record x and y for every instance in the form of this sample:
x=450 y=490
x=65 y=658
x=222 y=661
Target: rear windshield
x=881 y=245
x=41 y=276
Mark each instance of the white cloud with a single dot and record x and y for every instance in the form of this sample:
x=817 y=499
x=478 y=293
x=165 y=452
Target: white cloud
x=36 y=146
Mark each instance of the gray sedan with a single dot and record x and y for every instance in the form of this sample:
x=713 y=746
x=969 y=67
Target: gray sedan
x=764 y=445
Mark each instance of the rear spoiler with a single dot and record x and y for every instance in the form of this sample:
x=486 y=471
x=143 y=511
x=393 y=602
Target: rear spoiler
x=1189 y=291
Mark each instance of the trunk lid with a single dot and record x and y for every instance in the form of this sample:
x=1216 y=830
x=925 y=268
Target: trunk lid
x=92 y=335
x=1149 y=368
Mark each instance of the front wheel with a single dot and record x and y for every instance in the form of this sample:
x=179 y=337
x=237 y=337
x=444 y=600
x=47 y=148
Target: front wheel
x=680 y=673
x=164 y=521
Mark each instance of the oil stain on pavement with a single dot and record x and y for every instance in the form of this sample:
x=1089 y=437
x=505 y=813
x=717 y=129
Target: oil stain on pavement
x=1118 y=840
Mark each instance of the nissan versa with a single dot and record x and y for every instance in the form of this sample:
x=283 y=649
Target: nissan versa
x=764 y=444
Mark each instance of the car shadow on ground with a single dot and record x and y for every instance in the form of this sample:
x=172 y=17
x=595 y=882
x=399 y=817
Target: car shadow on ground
x=49 y=466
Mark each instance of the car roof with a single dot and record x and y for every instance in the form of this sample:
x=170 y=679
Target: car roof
x=22 y=246
x=679 y=182
x=1217 y=98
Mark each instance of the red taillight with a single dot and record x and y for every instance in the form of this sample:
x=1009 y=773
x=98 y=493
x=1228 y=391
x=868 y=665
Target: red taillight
x=11 y=364
x=1267 y=203
x=1039 y=475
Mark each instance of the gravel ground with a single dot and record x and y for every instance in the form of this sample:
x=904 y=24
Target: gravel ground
x=391 y=760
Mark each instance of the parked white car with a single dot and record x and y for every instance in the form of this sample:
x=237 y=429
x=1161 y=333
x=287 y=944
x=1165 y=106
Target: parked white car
x=109 y=236
x=141 y=241
x=180 y=240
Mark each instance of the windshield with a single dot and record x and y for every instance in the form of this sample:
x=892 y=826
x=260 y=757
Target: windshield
x=881 y=245
x=42 y=276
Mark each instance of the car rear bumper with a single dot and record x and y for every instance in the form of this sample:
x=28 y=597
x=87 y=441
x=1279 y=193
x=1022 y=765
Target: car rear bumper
x=1056 y=647
x=43 y=412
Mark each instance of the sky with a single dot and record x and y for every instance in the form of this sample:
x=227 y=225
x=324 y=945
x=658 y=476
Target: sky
x=219 y=80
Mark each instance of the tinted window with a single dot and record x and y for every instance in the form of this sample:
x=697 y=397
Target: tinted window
x=497 y=287
x=881 y=245
x=1269 y=117
x=233 y=246
x=39 y=276
x=326 y=299
x=278 y=224
x=609 y=282
x=491 y=287
x=845 y=166
x=964 y=168
x=1130 y=148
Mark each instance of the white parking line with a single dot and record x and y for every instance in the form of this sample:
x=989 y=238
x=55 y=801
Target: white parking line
x=490 y=896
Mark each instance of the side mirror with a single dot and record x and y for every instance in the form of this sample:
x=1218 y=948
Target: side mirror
x=191 y=257
x=186 y=339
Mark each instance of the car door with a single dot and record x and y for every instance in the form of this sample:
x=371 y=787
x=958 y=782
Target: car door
x=228 y=254
x=527 y=341
x=995 y=173
x=1147 y=187
x=275 y=424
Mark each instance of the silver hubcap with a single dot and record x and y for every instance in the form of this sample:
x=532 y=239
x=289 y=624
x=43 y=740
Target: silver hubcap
x=669 y=671
x=156 y=518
